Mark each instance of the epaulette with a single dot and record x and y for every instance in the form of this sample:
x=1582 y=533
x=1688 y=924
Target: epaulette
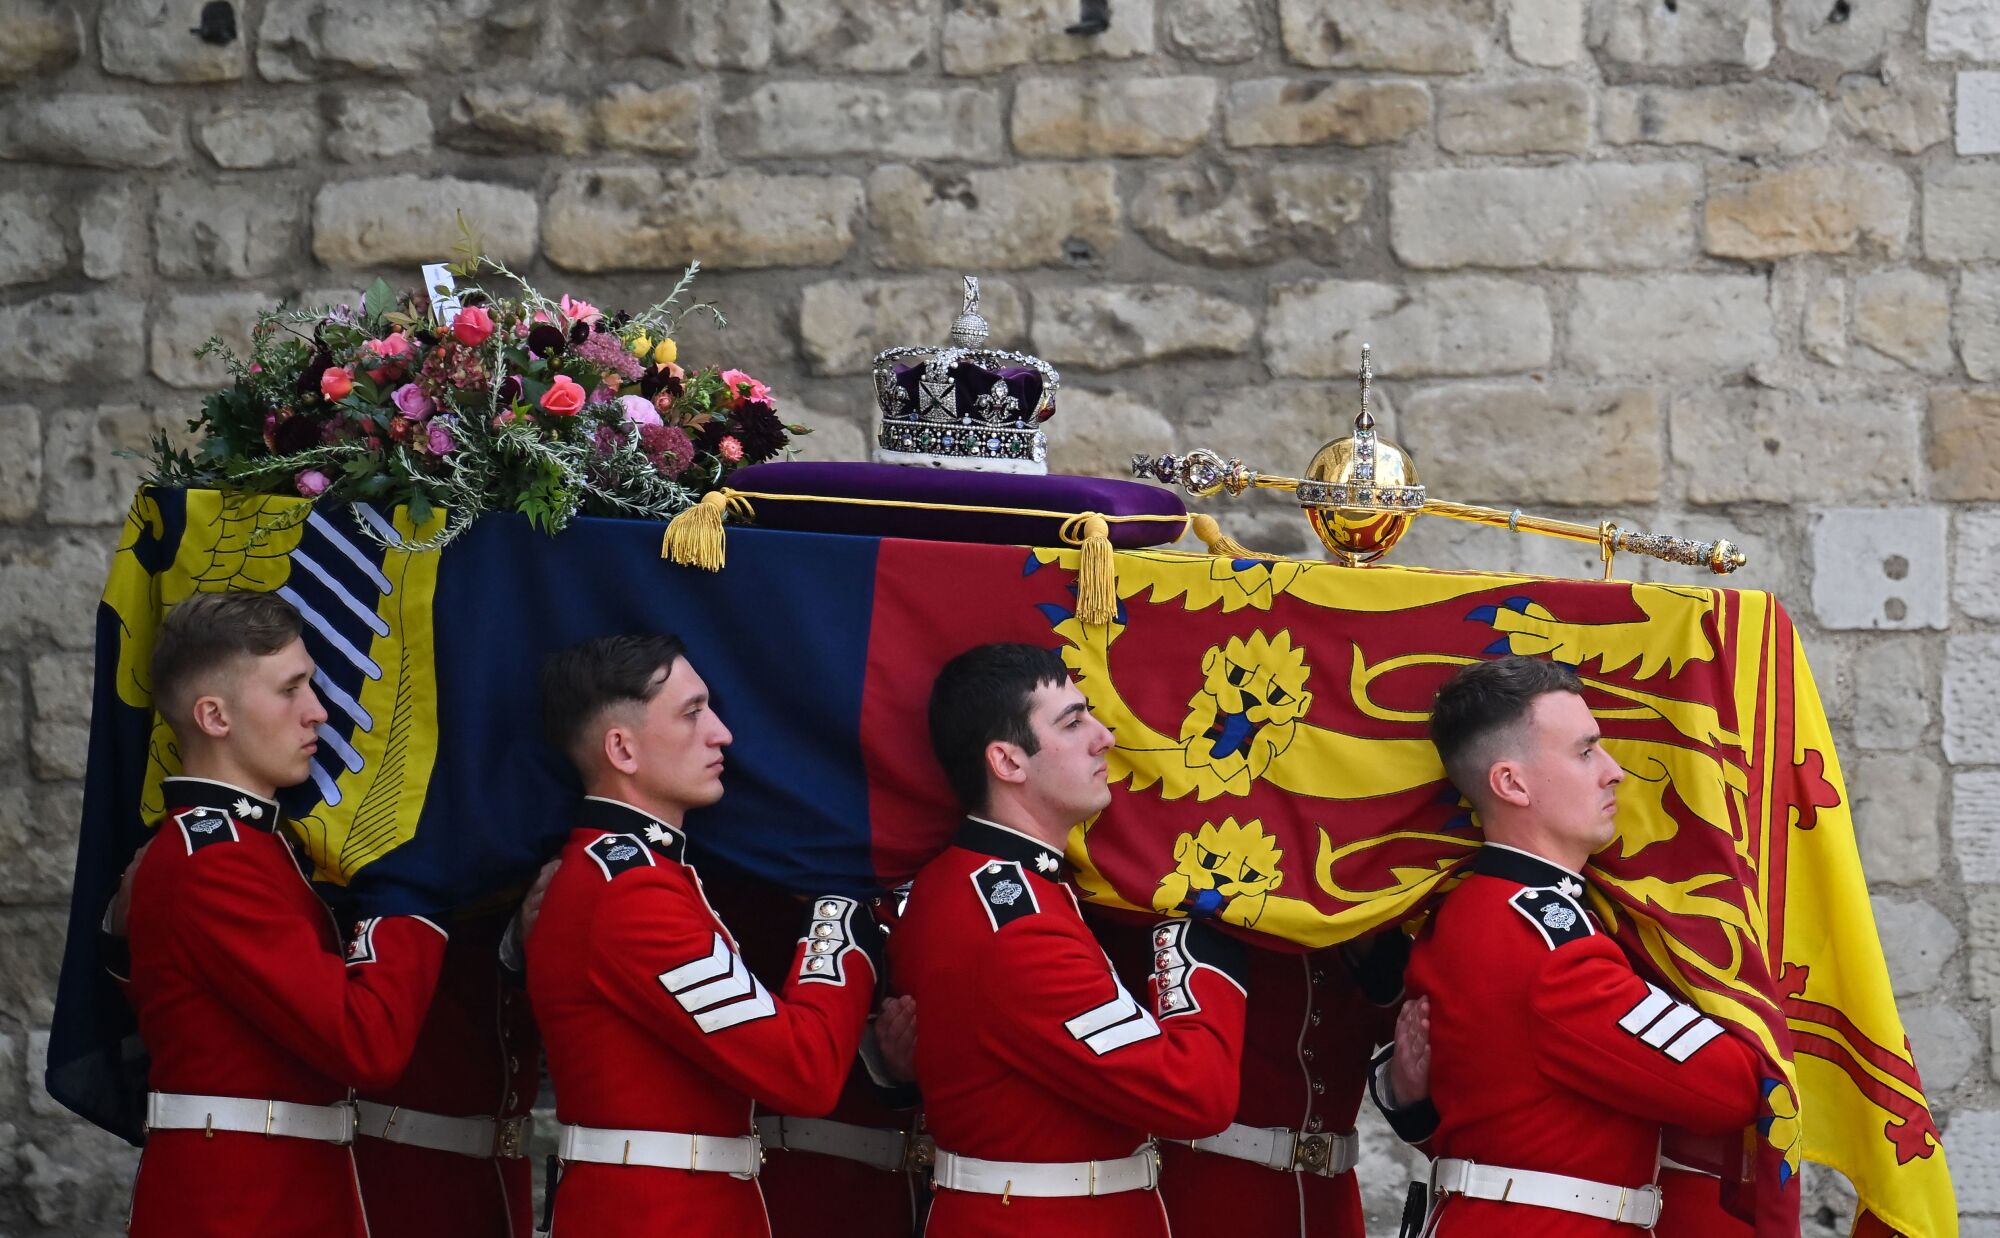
x=202 y=826
x=1004 y=892
x=1557 y=916
x=619 y=853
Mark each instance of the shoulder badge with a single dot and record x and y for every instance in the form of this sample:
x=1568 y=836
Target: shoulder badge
x=1556 y=915
x=618 y=853
x=1004 y=892
x=201 y=826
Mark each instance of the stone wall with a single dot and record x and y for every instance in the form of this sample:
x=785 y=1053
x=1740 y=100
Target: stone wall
x=1716 y=266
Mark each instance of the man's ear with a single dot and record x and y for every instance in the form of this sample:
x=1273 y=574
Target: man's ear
x=1006 y=762
x=211 y=717
x=620 y=752
x=1505 y=779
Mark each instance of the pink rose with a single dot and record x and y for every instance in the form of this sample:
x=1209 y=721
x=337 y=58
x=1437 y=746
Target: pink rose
x=639 y=410
x=578 y=311
x=440 y=440
x=336 y=382
x=393 y=345
x=563 y=398
x=312 y=483
x=411 y=401
x=743 y=387
x=729 y=449
x=472 y=326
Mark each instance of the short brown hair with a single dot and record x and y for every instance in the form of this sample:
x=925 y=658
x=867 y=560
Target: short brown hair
x=1479 y=708
x=581 y=682
x=207 y=632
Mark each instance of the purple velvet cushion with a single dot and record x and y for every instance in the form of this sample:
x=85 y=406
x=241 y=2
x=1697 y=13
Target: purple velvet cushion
x=1059 y=495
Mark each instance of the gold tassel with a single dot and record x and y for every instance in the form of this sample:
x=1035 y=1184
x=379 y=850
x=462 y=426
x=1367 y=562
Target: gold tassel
x=1220 y=543
x=1096 y=573
x=694 y=538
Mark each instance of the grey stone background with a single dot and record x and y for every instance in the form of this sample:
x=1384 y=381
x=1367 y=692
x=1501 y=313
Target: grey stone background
x=1714 y=266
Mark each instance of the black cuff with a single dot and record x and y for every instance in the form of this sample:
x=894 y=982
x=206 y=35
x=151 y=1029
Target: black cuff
x=1377 y=964
x=1413 y=1123
x=1208 y=944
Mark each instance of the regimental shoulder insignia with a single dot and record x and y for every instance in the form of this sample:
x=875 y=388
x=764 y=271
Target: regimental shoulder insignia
x=361 y=943
x=1004 y=892
x=619 y=853
x=201 y=826
x=1555 y=913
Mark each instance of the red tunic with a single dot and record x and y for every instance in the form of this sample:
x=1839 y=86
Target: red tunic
x=477 y=1056
x=1550 y=1053
x=625 y=1054
x=1030 y=1049
x=241 y=989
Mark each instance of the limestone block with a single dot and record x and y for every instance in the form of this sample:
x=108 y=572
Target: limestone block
x=1066 y=119
x=1895 y=697
x=389 y=125
x=73 y=1178
x=1918 y=942
x=1097 y=432
x=1823 y=318
x=65 y=337
x=1282 y=111
x=814 y=119
x=303 y=40
x=1216 y=31
x=32 y=244
x=1976 y=322
x=1704 y=325
x=723 y=34
x=1527 y=443
x=843 y=323
x=1982 y=919
x=832 y=439
x=991 y=35
x=1972 y=701
x=856 y=36
x=1852 y=37
x=20 y=475
x=1639 y=216
x=1943 y=1043
x=1749 y=118
x=1546 y=115
x=1960 y=224
x=207 y=228
x=85 y=479
x=1108 y=327
x=1771 y=446
x=1896 y=799
x=1235 y=216
x=1975 y=584
x=42 y=38
x=1972 y=1137
x=1962 y=30
x=505 y=120
x=49 y=586
x=1979 y=113
x=1447 y=326
x=399 y=220
x=151 y=40
x=28 y=968
x=1689 y=32
x=1416 y=36
x=666 y=121
x=1903 y=319
x=1286 y=413
x=1548 y=33
x=1756 y=213
x=1005 y=219
x=1908 y=115
x=1965 y=444
x=1975 y=825
x=644 y=219
x=111 y=225
x=91 y=131
x=184 y=323
x=259 y=137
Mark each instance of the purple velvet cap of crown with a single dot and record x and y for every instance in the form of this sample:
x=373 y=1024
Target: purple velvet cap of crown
x=969 y=382
x=1062 y=496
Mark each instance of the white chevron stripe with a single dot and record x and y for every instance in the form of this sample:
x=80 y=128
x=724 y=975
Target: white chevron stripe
x=1646 y=1011
x=714 y=964
x=1670 y=1024
x=1687 y=1042
x=1141 y=1028
x=736 y=984
x=758 y=1007
x=1090 y=1022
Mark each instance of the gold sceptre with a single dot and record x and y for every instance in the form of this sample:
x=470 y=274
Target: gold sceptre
x=1360 y=494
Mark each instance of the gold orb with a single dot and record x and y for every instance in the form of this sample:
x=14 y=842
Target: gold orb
x=1367 y=495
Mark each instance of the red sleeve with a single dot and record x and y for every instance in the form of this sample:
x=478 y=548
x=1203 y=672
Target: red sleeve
x=355 y=1018
x=1610 y=1035
x=1061 y=1014
x=661 y=961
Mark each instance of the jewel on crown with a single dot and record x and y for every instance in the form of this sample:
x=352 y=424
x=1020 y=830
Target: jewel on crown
x=964 y=405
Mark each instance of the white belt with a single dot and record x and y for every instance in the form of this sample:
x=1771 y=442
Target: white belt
x=1046 y=1179
x=166 y=1111
x=738 y=1155
x=1286 y=1150
x=867 y=1144
x=1638 y=1206
x=481 y=1137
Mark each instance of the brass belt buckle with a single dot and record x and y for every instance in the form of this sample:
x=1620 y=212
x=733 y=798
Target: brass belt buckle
x=919 y=1152
x=508 y=1138
x=1312 y=1153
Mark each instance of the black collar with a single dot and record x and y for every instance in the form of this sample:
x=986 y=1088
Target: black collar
x=183 y=791
x=1002 y=843
x=1510 y=864
x=619 y=817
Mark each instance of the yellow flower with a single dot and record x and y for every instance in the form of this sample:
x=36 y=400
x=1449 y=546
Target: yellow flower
x=666 y=353
x=641 y=346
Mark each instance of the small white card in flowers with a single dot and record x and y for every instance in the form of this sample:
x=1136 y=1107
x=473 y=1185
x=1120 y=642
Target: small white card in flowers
x=441 y=287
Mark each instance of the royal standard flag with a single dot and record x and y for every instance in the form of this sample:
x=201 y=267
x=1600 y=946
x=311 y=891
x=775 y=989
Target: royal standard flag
x=1271 y=770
